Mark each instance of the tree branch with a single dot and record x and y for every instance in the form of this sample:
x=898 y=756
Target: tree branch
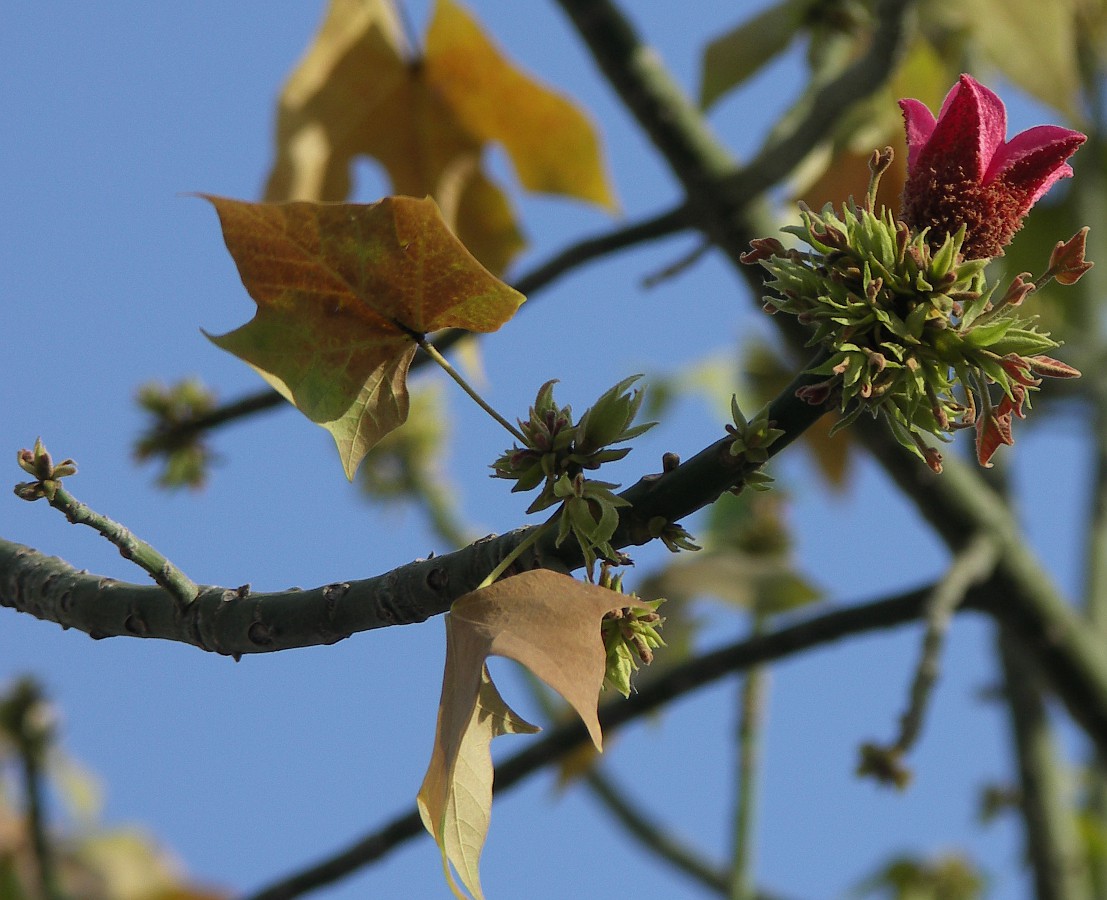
x=719 y=190
x=237 y=620
x=971 y=565
x=957 y=503
x=653 y=835
x=779 y=157
x=652 y=696
x=1053 y=846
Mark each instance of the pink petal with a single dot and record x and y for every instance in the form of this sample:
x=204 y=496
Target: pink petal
x=971 y=127
x=1051 y=145
x=919 y=123
x=1034 y=161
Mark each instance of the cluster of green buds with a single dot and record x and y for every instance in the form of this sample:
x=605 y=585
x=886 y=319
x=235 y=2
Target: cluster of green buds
x=40 y=465
x=174 y=408
x=558 y=451
x=630 y=635
x=751 y=439
x=909 y=330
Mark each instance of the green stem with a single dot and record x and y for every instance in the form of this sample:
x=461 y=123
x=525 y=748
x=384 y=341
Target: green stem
x=433 y=353
x=969 y=567
x=130 y=547
x=753 y=695
x=516 y=552
x=1053 y=845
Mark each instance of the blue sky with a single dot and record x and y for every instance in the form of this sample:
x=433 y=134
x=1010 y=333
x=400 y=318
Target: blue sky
x=113 y=113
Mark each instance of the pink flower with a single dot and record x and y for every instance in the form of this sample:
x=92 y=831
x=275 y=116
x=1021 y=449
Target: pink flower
x=962 y=171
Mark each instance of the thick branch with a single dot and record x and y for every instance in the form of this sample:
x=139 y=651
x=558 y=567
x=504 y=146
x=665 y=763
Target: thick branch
x=236 y=621
x=654 y=695
x=956 y=503
x=719 y=190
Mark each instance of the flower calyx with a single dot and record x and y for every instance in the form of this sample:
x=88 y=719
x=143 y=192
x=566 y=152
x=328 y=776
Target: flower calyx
x=675 y=537
x=912 y=331
x=557 y=452
x=40 y=465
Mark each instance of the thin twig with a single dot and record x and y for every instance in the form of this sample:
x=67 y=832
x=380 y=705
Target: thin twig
x=972 y=566
x=654 y=836
x=751 y=717
x=130 y=547
x=677 y=682
x=589 y=249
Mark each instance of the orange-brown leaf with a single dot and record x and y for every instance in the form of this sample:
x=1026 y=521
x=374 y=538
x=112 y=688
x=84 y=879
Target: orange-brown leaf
x=343 y=291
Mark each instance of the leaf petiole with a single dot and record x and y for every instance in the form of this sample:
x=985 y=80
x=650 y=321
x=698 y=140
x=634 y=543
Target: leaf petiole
x=433 y=353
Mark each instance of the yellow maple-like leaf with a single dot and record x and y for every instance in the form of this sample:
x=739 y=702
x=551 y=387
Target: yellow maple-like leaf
x=343 y=292
x=551 y=143
x=360 y=91
x=543 y=620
